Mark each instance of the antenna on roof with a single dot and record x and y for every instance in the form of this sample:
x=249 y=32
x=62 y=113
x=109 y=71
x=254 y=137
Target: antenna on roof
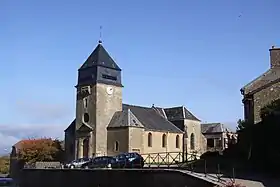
x=100 y=34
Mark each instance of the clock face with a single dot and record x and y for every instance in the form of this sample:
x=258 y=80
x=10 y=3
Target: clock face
x=110 y=90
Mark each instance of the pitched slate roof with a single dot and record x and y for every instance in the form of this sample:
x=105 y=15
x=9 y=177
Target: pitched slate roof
x=160 y=111
x=179 y=113
x=214 y=128
x=264 y=79
x=83 y=127
x=100 y=57
x=125 y=118
x=72 y=126
x=151 y=119
x=137 y=116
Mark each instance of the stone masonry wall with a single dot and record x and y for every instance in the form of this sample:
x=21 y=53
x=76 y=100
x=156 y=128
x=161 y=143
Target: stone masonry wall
x=136 y=139
x=120 y=135
x=265 y=97
x=157 y=142
x=195 y=128
x=157 y=153
x=106 y=106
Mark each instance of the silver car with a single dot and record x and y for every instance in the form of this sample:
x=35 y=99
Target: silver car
x=77 y=163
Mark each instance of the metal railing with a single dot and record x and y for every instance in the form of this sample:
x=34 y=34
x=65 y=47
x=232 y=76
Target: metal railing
x=162 y=159
x=167 y=159
x=201 y=168
x=191 y=163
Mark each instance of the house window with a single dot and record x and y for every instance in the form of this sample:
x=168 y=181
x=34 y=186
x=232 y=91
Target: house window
x=116 y=146
x=210 y=142
x=150 y=139
x=164 y=140
x=218 y=143
x=177 y=141
x=192 y=141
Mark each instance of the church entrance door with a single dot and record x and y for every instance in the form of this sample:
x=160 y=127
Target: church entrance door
x=85 y=148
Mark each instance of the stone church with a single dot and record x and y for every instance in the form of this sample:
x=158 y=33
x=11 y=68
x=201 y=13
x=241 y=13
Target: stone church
x=104 y=125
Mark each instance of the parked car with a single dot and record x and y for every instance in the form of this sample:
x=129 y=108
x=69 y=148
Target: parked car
x=99 y=162
x=6 y=182
x=77 y=163
x=128 y=160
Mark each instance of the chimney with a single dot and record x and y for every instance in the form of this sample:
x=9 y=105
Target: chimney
x=274 y=57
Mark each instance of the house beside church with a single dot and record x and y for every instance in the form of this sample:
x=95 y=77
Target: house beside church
x=263 y=90
x=218 y=136
x=104 y=125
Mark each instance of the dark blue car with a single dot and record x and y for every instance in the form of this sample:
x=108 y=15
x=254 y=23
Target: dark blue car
x=128 y=160
x=99 y=162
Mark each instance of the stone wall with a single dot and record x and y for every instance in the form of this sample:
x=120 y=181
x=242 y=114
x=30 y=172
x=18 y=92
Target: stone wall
x=119 y=135
x=105 y=107
x=265 y=97
x=100 y=178
x=156 y=153
x=157 y=147
x=194 y=127
x=136 y=139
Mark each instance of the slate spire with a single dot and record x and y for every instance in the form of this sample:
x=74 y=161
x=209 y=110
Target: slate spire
x=100 y=57
x=99 y=68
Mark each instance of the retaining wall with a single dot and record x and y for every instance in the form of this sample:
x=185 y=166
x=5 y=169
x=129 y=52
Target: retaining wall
x=108 y=178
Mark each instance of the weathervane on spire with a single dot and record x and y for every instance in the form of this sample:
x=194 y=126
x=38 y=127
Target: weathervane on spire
x=100 y=34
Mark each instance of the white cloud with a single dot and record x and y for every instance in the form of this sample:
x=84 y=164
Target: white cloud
x=34 y=119
x=11 y=134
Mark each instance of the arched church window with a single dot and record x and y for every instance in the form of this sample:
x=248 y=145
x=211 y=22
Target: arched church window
x=150 y=139
x=164 y=140
x=192 y=141
x=116 y=146
x=177 y=141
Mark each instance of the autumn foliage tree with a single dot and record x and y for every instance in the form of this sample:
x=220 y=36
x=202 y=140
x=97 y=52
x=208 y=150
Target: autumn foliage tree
x=4 y=164
x=40 y=150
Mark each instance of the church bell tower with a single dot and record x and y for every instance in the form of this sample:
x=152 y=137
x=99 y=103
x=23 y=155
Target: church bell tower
x=99 y=96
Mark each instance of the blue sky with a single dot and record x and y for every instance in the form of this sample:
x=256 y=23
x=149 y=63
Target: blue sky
x=193 y=53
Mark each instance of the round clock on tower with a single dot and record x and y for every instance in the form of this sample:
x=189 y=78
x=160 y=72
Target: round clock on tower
x=110 y=90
